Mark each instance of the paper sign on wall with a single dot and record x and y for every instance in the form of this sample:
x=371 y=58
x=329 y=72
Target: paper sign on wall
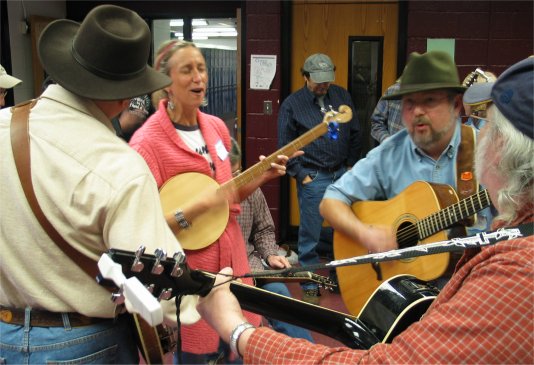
x=262 y=71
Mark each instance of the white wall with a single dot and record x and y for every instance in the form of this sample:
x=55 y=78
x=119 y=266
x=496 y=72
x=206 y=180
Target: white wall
x=21 y=46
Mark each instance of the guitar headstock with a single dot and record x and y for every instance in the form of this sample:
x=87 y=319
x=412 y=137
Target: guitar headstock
x=164 y=277
x=343 y=115
x=475 y=76
x=303 y=276
x=323 y=281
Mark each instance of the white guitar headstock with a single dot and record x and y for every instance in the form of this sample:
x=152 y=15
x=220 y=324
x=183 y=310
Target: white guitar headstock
x=138 y=296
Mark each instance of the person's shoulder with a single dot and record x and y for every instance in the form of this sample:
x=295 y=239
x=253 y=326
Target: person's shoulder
x=391 y=147
x=210 y=118
x=338 y=88
x=296 y=95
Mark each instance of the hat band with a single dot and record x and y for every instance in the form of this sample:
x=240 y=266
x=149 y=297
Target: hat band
x=102 y=73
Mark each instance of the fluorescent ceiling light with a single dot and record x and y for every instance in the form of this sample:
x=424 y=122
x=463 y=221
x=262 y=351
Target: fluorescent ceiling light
x=180 y=22
x=215 y=29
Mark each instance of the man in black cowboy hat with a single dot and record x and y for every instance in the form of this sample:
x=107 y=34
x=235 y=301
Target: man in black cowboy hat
x=92 y=187
x=485 y=313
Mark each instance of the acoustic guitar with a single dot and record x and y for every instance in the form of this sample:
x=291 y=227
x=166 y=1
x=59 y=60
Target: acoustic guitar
x=185 y=188
x=393 y=307
x=419 y=214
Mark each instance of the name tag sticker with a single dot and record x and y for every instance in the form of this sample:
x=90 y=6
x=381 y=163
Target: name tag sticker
x=221 y=150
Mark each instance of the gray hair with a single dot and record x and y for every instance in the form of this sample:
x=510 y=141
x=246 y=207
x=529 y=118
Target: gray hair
x=516 y=164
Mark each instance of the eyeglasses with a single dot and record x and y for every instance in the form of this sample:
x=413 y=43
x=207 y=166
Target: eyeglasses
x=427 y=103
x=3 y=92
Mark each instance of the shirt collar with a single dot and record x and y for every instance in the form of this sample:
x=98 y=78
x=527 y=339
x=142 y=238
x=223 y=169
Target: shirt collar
x=84 y=105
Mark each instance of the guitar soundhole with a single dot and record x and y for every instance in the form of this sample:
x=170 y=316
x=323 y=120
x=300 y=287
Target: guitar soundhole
x=407 y=235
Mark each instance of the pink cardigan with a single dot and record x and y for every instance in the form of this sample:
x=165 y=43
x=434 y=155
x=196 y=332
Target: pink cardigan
x=167 y=155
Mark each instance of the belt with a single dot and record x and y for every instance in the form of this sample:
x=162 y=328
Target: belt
x=41 y=318
x=324 y=169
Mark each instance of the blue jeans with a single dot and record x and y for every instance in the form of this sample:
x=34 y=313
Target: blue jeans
x=107 y=342
x=283 y=327
x=309 y=197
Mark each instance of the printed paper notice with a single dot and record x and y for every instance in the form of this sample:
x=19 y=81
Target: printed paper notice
x=262 y=71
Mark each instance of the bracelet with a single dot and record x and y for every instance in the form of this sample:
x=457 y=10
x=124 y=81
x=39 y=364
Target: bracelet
x=182 y=222
x=236 y=333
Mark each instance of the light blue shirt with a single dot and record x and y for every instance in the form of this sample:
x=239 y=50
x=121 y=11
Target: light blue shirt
x=392 y=166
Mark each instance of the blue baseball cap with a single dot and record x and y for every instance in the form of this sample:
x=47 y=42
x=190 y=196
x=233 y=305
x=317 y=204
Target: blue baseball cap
x=513 y=94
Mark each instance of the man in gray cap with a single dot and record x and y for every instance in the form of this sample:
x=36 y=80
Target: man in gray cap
x=324 y=160
x=6 y=82
x=485 y=313
x=93 y=189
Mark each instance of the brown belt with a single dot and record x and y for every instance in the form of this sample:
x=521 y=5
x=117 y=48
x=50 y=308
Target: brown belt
x=41 y=318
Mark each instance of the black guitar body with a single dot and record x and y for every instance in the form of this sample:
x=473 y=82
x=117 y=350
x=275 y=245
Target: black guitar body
x=395 y=305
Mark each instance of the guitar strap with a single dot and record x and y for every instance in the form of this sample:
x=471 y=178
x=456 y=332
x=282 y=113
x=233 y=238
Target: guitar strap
x=20 y=145
x=466 y=182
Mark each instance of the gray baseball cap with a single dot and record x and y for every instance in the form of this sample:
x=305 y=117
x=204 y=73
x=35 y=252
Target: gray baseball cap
x=478 y=93
x=320 y=68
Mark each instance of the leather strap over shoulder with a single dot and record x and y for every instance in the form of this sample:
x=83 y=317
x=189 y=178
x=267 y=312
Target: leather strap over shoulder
x=466 y=182
x=20 y=145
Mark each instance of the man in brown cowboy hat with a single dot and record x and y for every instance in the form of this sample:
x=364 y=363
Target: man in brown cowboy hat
x=93 y=188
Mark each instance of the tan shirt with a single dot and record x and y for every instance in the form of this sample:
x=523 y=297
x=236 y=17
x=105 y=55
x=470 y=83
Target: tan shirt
x=96 y=191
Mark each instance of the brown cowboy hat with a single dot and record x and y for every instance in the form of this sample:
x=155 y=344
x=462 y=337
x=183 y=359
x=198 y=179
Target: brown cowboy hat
x=104 y=57
x=428 y=71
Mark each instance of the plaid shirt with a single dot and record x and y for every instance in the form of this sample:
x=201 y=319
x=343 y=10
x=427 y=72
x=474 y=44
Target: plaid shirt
x=386 y=119
x=485 y=314
x=257 y=226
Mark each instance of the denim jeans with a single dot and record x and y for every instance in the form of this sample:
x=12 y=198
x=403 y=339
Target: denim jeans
x=108 y=342
x=309 y=197
x=283 y=327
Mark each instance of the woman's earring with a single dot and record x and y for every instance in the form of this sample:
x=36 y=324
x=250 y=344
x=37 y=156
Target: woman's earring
x=170 y=104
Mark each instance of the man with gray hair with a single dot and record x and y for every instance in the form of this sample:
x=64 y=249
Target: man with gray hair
x=484 y=314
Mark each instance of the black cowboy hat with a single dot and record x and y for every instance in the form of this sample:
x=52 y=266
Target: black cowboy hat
x=104 y=57
x=428 y=71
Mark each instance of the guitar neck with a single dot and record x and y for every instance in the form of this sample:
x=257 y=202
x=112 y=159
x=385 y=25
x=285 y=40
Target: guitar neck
x=319 y=319
x=452 y=214
x=174 y=279
x=260 y=167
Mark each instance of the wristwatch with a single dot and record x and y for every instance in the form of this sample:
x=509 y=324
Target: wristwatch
x=236 y=333
x=182 y=222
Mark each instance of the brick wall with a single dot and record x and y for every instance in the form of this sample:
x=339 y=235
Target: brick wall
x=259 y=131
x=489 y=34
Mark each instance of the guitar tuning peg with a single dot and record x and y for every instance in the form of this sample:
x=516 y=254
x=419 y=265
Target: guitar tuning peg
x=165 y=294
x=117 y=298
x=137 y=265
x=179 y=258
x=158 y=267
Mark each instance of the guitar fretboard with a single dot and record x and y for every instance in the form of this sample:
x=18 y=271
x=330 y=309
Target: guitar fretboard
x=454 y=213
x=343 y=116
